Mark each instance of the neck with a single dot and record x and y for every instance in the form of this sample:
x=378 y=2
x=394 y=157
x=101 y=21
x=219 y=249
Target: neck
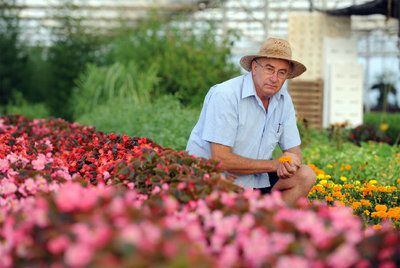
x=265 y=102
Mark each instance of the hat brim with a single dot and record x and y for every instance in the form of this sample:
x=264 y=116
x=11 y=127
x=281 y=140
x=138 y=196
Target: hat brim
x=297 y=67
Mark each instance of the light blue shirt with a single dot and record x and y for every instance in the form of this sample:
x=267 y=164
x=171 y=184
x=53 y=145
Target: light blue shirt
x=233 y=115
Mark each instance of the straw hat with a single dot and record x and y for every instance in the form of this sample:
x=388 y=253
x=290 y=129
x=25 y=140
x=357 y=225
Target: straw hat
x=278 y=49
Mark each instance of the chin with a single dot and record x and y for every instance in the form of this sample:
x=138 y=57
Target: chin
x=269 y=92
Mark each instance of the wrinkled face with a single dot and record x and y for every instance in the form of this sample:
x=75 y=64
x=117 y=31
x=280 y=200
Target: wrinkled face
x=269 y=75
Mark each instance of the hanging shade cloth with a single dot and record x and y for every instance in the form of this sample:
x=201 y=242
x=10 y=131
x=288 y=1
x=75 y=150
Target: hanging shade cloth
x=389 y=8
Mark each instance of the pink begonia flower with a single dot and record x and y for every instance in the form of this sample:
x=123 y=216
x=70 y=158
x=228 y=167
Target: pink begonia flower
x=39 y=212
x=7 y=188
x=216 y=242
x=117 y=207
x=40 y=162
x=78 y=255
x=165 y=186
x=73 y=196
x=227 y=225
x=4 y=165
x=279 y=242
x=196 y=233
x=106 y=175
x=5 y=259
x=131 y=234
x=88 y=199
x=344 y=256
x=170 y=204
x=53 y=187
x=82 y=232
x=151 y=232
x=58 y=245
x=255 y=247
x=12 y=158
x=272 y=201
x=131 y=185
x=68 y=196
x=30 y=185
x=344 y=220
x=101 y=236
x=229 y=257
x=170 y=249
x=62 y=174
x=292 y=261
x=247 y=221
x=388 y=264
x=228 y=199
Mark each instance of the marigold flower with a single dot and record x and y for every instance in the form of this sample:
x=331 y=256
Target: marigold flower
x=329 y=198
x=284 y=159
x=365 y=202
x=377 y=227
x=323 y=182
x=383 y=127
x=373 y=182
x=381 y=208
x=343 y=178
x=379 y=214
x=337 y=187
x=338 y=195
x=355 y=205
x=348 y=186
x=394 y=213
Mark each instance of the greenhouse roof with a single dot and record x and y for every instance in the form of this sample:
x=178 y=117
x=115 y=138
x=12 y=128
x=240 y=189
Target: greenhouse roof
x=390 y=8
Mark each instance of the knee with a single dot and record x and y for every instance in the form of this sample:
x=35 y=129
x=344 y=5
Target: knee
x=307 y=176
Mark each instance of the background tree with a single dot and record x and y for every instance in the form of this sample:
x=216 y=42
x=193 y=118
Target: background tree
x=13 y=56
x=386 y=86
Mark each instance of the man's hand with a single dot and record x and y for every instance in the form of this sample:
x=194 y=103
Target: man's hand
x=286 y=169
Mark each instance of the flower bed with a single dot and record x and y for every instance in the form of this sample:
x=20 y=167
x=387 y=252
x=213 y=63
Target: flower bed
x=73 y=196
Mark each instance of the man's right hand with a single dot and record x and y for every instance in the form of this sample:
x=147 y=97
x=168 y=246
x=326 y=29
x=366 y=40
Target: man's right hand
x=288 y=169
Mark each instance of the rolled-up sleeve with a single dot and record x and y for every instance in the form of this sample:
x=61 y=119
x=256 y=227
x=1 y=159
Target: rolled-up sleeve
x=221 y=119
x=290 y=136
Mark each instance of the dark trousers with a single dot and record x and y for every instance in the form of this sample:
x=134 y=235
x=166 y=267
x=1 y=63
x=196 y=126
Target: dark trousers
x=273 y=179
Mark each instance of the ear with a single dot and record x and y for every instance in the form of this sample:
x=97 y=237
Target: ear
x=253 y=65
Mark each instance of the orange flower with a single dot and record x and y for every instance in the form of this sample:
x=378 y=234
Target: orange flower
x=381 y=208
x=377 y=227
x=329 y=198
x=379 y=214
x=356 y=205
x=365 y=202
x=284 y=159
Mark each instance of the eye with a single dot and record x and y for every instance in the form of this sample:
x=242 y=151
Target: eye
x=282 y=73
x=269 y=69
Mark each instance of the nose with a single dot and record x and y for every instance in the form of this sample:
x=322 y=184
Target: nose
x=274 y=77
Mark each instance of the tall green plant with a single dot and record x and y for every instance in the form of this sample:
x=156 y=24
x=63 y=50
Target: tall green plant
x=73 y=47
x=164 y=120
x=12 y=54
x=19 y=105
x=97 y=85
x=190 y=61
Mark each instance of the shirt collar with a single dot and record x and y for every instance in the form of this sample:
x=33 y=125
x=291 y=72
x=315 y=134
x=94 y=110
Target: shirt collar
x=248 y=86
x=249 y=89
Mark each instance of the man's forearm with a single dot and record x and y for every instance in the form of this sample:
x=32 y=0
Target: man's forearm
x=237 y=164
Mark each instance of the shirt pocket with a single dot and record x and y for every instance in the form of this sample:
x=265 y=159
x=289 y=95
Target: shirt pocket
x=275 y=134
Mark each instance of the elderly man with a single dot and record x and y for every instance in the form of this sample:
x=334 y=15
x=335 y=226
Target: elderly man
x=244 y=118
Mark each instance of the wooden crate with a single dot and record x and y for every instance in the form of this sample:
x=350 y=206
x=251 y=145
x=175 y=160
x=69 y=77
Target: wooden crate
x=308 y=98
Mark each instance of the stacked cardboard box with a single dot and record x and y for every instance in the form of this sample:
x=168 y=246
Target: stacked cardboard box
x=325 y=45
